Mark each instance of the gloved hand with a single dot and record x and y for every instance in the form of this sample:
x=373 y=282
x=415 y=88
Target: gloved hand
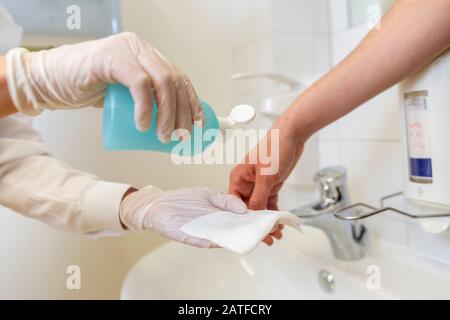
x=167 y=211
x=73 y=76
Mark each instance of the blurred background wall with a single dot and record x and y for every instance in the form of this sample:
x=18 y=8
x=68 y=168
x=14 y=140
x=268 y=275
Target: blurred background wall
x=196 y=36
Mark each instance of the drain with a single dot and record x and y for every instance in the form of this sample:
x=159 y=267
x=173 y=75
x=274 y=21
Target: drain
x=326 y=281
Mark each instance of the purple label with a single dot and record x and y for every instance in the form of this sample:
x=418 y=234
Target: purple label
x=421 y=167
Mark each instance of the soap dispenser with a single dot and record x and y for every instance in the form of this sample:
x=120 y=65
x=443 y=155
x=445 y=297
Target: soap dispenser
x=120 y=133
x=425 y=102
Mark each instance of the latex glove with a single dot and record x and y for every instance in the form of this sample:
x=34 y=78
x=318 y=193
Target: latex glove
x=73 y=76
x=167 y=211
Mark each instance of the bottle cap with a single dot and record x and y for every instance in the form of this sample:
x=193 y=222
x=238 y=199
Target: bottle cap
x=242 y=114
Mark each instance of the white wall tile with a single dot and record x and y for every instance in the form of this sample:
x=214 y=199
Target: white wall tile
x=383 y=226
x=373 y=169
x=300 y=16
x=262 y=10
x=322 y=53
x=296 y=55
x=358 y=11
x=292 y=16
x=244 y=62
x=338 y=15
x=255 y=18
x=433 y=245
x=255 y=57
x=330 y=132
x=250 y=19
x=265 y=54
x=345 y=41
x=321 y=17
x=377 y=119
x=328 y=153
x=289 y=54
x=308 y=165
x=244 y=58
x=243 y=22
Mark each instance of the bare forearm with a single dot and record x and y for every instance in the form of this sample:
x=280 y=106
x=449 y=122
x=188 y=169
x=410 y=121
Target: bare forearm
x=412 y=34
x=6 y=104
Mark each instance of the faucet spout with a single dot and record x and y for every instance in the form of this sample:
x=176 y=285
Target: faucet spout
x=345 y=237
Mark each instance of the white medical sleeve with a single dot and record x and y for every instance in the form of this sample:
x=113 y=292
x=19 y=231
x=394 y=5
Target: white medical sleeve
x=41 y=187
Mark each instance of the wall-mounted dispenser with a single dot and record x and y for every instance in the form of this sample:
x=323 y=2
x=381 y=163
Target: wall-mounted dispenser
x=425 y=98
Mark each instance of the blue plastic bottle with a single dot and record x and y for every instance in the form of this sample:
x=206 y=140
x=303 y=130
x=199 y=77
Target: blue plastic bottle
x=120 y=133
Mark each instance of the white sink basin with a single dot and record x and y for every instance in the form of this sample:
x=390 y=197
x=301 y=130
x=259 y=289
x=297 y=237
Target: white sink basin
x=288 y=270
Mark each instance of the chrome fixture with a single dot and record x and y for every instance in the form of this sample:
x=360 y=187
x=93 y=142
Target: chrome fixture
x=346 y=237
x=350 y=213
x=326 y=281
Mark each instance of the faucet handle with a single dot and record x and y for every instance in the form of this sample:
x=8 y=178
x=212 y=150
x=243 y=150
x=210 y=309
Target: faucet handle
x=332 y=184
x=331 y=175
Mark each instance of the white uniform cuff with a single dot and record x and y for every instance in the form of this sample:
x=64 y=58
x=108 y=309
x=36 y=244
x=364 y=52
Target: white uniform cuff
x=101 y=205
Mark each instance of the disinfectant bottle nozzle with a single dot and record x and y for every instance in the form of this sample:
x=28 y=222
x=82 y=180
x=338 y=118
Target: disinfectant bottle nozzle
x=240 y=115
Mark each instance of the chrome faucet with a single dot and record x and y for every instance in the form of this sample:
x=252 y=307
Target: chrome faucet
x=345 y=237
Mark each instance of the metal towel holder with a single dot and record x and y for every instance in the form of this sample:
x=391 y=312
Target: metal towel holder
x=374 y=211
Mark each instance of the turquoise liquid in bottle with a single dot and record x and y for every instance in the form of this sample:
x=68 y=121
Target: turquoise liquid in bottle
x=120 y=133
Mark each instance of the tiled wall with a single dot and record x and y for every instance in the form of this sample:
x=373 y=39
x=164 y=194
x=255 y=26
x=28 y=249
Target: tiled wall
x=297 y=38
x=278 y=36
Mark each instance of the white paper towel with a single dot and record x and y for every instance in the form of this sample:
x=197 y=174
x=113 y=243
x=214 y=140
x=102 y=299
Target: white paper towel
x=240 y=233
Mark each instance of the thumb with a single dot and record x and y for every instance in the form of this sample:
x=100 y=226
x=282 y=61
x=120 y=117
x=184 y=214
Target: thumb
x=261 y=192
x=227 y=202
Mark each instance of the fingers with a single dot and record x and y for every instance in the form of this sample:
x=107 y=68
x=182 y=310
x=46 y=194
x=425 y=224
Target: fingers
x=268 y=240
x=194 y=102
x=163 y=77
x=178 y=105
x=261 y=192
x=126 y=69
x=149 y=76
x=241 y=181
x=276 y=233
x=183 y=112
x=166 y=99
x=227 y=202
x=138 y=81
x=186 y=102
x=142 y=94
x=272 y=202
